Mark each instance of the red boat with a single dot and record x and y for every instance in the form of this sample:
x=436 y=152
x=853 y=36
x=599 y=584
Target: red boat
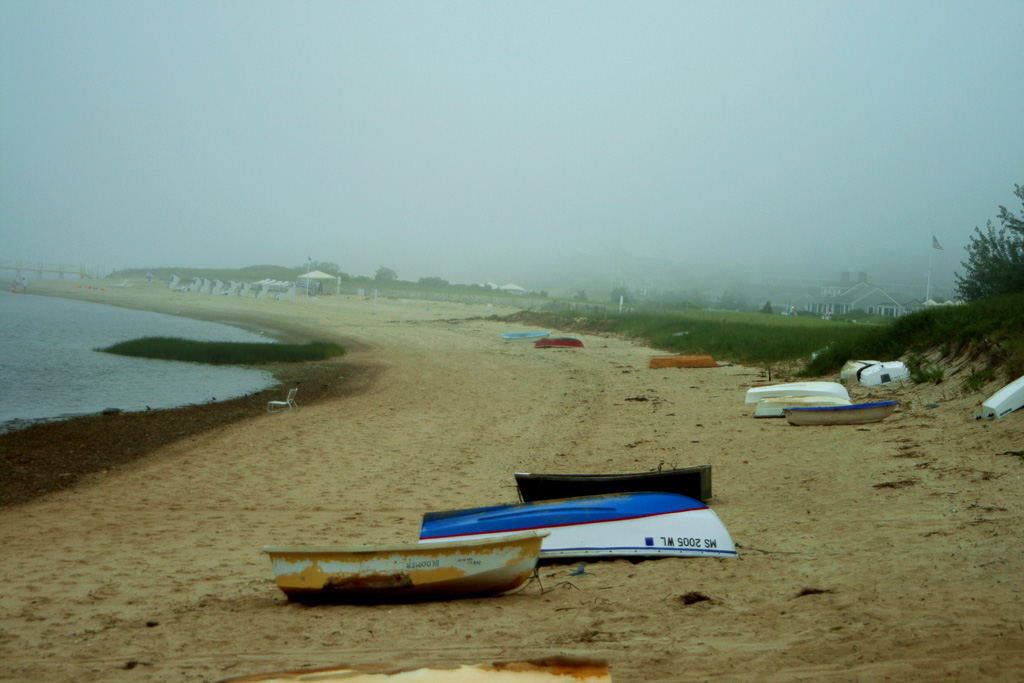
x=558 y=341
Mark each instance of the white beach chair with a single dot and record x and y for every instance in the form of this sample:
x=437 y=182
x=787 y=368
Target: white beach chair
x=287 y=404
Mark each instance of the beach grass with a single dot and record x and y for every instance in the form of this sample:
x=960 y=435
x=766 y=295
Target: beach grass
x=223 y=353
x=991 y=330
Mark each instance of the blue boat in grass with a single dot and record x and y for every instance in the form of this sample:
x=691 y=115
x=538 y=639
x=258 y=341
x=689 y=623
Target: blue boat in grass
x=524 y=336
x=643 y=524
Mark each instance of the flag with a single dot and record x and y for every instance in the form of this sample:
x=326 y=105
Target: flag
x=936 y=245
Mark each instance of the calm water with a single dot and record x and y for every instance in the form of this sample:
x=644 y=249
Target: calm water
x=49 y=369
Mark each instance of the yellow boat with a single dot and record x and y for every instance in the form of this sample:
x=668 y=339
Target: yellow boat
x=405 y=573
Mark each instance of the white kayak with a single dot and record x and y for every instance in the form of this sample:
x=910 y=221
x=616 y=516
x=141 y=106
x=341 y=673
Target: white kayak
x=831 y=389
x=1003 y=402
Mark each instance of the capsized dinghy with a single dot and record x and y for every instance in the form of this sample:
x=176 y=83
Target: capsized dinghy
x=773 y=406
x=854 y=414
x=882 y=373
x=682 y=362
x=552 y=670
x=408 y=572
x=852 y=367
x=694 y=482
x=833 y=389
x=1003 y=402
x=644 y=524
x=524 y=336
x=558 y=341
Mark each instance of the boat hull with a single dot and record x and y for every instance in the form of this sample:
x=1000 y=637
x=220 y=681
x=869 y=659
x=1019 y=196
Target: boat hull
x=833 y=389
x=882 y=373
x=1003 y=402
x=854 y=414
x=852 y=367
x=694 y=482
x=554 y=342
x=682 y=362
x=774 y=406
x=644 y=524
x=524 y=336
x=405 y=573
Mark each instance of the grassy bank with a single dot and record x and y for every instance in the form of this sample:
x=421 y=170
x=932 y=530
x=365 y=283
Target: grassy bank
x=223 y=353
x=991 y=331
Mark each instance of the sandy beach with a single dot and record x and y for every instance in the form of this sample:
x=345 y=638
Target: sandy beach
x=891 y=551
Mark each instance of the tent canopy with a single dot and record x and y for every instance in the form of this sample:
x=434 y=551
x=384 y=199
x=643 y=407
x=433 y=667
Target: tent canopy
x=317 y=275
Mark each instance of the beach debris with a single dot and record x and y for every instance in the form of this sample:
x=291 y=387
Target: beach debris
x=693 y=597
x=580 y=571
x=813 y=591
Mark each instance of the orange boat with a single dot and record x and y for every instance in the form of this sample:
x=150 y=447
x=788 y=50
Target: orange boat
x=682 y=362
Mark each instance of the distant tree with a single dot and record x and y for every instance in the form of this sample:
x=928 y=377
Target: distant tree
x=325 y=266
x=767 y=308
x=624 y=293
x=385 y=275
x=433 y=282
x=995 y=259
x=581 y=295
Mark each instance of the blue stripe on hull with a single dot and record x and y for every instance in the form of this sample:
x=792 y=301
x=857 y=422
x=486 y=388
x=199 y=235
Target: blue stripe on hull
x=554 y=514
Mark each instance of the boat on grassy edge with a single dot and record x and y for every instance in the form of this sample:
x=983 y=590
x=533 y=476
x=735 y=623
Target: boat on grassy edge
x=525 y=336
x=774 y=406
x=456 y=568
x=685 y=361
x=1003 y=402
x=645 y=524
x=554 y=342
x=833 y=389
x=694 y=482
x=853 y=414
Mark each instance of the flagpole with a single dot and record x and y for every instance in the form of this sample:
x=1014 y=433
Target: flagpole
x=928 y=290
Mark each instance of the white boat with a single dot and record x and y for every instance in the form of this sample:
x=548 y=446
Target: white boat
x=852 y=367
x=644 y=524
x=773 y=406
x=853 y=414
x=525 y=336
x=883 y=373
x=548 y=670
x=405 y=573
x=1003 y=402
x=831 y=389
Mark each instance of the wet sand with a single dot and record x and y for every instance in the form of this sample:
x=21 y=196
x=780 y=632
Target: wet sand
x=885 y=551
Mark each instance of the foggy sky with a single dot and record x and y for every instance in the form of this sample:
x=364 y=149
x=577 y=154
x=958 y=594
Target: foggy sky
x=505 y=141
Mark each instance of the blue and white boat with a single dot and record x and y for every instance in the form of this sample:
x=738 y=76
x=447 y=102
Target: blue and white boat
x=524 y=336
x=645 y=524
x=853 y=414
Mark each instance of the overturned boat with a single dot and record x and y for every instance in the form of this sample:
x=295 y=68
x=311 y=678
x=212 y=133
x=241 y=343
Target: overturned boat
x=833 y=389
x=774 y=406
x=853 y=414
x=694 y=482
x=645 y=524
x=1003 y=402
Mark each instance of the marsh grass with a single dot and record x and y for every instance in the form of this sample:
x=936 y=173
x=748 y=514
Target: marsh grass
x=223 y=353
x=743 y=338
x=992 y=330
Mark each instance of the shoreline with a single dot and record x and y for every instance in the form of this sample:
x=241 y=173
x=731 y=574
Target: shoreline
x=44 y=456
x=890 y=550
